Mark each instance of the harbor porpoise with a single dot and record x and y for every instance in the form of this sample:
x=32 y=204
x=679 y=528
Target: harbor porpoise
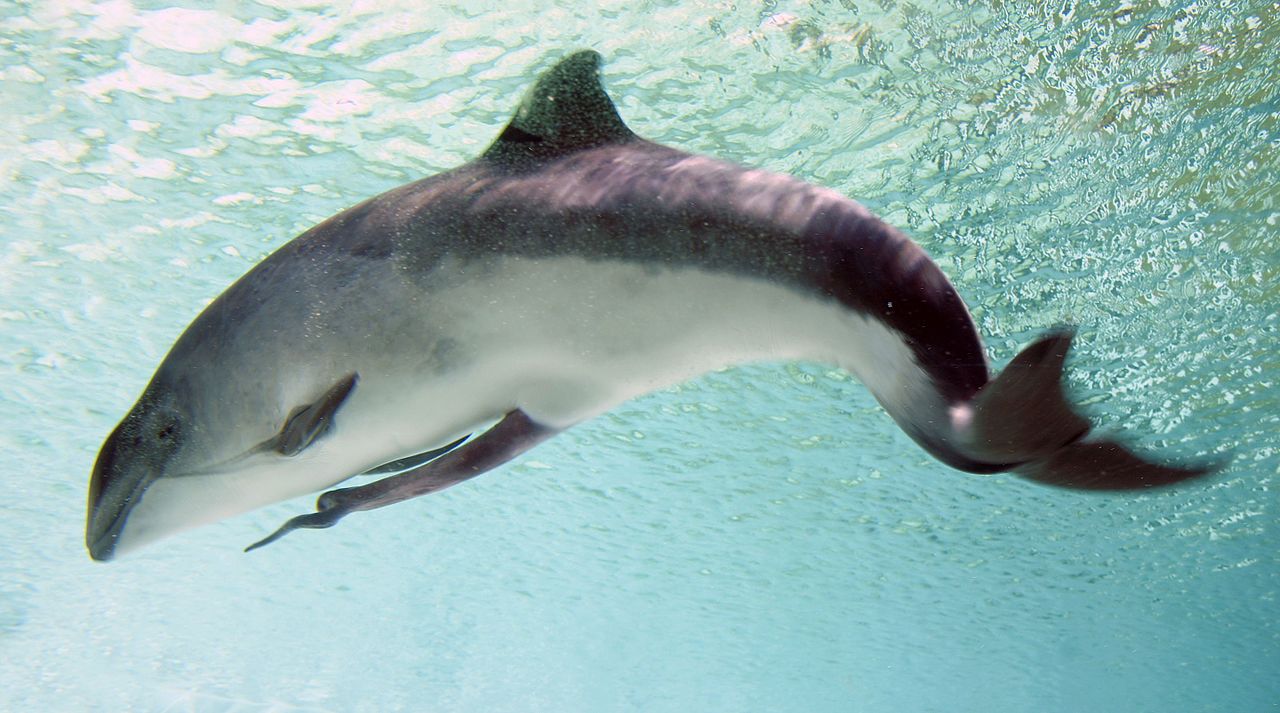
x=447 y=326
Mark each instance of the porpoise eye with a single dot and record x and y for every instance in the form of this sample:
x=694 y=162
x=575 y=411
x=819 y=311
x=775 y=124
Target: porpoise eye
x=165 y=432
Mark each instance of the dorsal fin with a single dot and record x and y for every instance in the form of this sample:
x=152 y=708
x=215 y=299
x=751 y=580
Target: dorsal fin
x=566 y=110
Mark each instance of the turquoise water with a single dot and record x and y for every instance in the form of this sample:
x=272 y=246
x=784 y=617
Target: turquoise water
x=760 y=539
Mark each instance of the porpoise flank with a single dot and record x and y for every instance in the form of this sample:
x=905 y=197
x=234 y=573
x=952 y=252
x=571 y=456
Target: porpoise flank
x=572 y=266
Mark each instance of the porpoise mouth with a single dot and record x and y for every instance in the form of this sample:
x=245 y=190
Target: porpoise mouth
x=113 y=493
x=103 y=532
x=108 y=513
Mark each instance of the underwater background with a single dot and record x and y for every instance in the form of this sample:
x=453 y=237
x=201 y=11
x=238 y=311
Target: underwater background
x=760 y=539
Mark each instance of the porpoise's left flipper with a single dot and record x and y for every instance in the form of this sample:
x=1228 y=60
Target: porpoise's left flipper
x=402 y=464
x=513 y=435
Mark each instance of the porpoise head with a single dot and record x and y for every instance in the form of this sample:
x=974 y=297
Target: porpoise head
x=139 y=451
x=218 y=431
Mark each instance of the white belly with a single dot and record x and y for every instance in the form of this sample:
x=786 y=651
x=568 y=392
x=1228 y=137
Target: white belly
x=566 y=339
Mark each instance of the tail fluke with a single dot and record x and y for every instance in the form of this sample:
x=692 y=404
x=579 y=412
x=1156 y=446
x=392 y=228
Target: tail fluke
x=1104 y=465
x=1023 y=419
x=1023 y=415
